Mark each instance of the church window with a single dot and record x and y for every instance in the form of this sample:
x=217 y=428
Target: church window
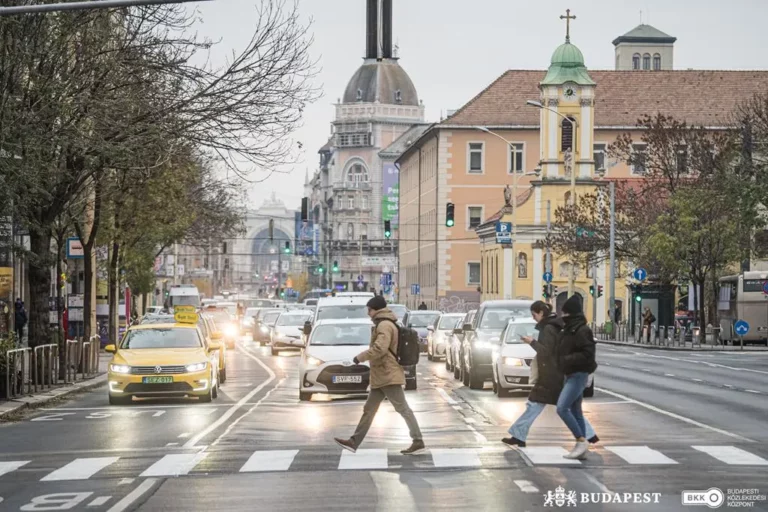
x=566 y=142
x=516 y=152
x=398 y=96
x=647 y=61
x=598 y=155
x=636 y=61
x=638 y=159
x=359 y=95
x=476 y=157
x=657 y=62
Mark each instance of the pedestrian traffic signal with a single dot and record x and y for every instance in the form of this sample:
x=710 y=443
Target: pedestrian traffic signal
x=335 y=267
x=599 y=290
x=287 y=249
x=387 y=229
x=449 y=209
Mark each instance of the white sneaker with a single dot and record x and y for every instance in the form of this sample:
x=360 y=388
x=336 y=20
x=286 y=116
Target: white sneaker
x=579 y=451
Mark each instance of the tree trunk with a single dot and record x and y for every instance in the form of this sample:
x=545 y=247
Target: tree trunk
x=89 y=295
x=114 y=294
x=702 y=306
x=39 y=275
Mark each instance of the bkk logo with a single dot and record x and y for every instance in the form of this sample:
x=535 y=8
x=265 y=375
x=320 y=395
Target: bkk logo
x=712 y=498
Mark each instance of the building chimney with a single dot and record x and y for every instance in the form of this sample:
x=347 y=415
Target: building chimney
x=372 y=30
x=386 y=29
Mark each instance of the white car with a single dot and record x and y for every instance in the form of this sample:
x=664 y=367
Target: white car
x=439 y=334
x=326 y=362
x=288 y=331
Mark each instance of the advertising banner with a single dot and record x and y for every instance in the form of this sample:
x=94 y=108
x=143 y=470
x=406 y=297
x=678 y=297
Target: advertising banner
x=390 y=196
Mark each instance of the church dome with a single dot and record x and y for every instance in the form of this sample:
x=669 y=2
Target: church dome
x=567 y=65
x=568 y=55
x=383 y=81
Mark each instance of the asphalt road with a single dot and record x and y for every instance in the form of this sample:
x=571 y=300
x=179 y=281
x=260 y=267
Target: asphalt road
x=668 y=423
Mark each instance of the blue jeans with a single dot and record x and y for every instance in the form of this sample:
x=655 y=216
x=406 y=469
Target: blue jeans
x=521 y=426
x=569 y=403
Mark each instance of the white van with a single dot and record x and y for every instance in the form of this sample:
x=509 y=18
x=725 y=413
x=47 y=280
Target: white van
x=184 y=295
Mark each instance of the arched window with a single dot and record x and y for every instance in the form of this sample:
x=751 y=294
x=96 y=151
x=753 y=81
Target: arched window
x=567 y=198
x=567 y=130
x=364 y=231
x=656 y=62
x=647 y=61
x=350 y=231
x=636 y=61
x=357 y=173
x=564 y=270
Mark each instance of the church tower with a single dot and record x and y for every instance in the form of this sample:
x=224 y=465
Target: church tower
x=567 y=112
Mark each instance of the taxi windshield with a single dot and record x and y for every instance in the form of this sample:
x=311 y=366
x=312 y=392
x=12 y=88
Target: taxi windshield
x=341 y=335
x=516 y=331
x=157 y=319
x=161 y=338
x=294 y=320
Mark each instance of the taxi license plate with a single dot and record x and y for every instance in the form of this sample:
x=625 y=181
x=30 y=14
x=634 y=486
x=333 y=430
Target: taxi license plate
x=157 y=380
x=347 y=379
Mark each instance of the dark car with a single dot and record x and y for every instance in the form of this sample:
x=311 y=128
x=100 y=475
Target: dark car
x=483 y=334
x=262 y=325
x=420 y=321
x=453 y=348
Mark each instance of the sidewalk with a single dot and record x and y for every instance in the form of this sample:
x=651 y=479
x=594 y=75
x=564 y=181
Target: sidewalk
x=12 y=407
x=688 y=347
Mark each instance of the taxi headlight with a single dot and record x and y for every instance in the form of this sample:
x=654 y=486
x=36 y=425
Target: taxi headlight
x=513 y=361
x=230 y=330
x=120 y=368
x=197 y=367
x=313 y=361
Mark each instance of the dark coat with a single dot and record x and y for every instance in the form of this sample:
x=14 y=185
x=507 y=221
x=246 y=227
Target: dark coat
x=576 y=352
x=550 y=381
x=20 y=316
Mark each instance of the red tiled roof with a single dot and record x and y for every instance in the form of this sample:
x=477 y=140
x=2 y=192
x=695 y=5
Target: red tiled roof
x=703 y=98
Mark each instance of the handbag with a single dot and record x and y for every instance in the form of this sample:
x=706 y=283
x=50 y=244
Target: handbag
x=534 y=372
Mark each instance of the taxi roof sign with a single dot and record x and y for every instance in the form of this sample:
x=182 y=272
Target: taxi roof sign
x=182 y=308
x=185 y=317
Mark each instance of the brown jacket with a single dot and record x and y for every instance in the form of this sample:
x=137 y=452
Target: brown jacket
x=385 y=370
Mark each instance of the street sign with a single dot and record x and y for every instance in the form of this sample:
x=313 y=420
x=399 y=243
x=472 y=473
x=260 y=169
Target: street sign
x=308 y=251
x=415 y=289
x=74 y=249
x=741 y=328
x=386 y=279
x=640 y=274
x=547 y=277
x=503 y=232
x=765 y=287
x=360 y=278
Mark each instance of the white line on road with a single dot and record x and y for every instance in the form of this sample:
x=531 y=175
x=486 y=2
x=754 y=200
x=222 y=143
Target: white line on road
x=271 y=460
x=548 y=455
x=732 y=455
x=126 y=481
x=455 y=457
x=697 y=380
x=457 y=407
x=526 y=486
x=600 y=485
x=669 y=374
x=175 y=465
x=676 y=416
x=470 y=420
x=184 y=435
x=234 y=423
x=134 y=496
x=617 y=402
x=728 y=386
x=80 y=469
x=364 y=459
x=172 y=444
x=753 y=391
x=100 y=501
x=707 y=363
x=11 y=465
x=640 y=455
x=446 y=396
x=232 y=410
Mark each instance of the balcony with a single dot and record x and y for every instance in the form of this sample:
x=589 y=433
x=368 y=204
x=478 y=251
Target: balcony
x=352 y=185
x=354 y=140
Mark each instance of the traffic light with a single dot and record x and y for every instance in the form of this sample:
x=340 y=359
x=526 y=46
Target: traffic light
x=554 y=290
x=287 y=249
x=271 y=229
x=592 y=290
x=387 y=229
x=545 y=292
x=320 y=269
x=304 y=209
x=335 y=267
x=599 y=290
x=638 y=298
x=449 y=221
x=282 y=292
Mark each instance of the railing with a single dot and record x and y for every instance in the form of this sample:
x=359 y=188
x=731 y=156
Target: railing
x=17 y=364
x=45 y=366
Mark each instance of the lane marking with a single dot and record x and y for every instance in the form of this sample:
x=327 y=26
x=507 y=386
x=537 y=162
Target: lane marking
x=753 y=391
x=364 y=459
x=134 y=496
x=455 y=458
x=80 y=469
x=457 y=407
x=172 y=444
x=669 y=374
x=707 y=363
x=101 y=500
x=446 y=396
x=728 y=386
x=232 y=410
x=617 y=402
x=697 y=380
x=732 y=455
x=126 y=481
x=526 y=486
x=271 y=460
x=470 y=420
x=676 y=416
x=12 y=465
x=234 y=423
x=175 y=465
x=184 y=435
x=548 y=455
x=640 y=455
x=600 y=485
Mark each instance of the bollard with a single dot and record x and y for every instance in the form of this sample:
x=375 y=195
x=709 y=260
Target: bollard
x=17 y=372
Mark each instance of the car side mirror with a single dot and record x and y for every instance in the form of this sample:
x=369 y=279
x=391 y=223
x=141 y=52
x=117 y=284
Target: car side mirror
x=431 y=328
x=111 y=349
x=467 y=327
x=458 y=330
x=307 y=328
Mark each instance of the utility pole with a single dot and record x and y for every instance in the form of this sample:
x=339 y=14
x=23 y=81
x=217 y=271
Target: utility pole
x=594 y=293
x=548 y=261
x=612 y=258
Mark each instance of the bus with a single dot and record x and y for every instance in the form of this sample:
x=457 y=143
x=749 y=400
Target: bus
x=742 y=298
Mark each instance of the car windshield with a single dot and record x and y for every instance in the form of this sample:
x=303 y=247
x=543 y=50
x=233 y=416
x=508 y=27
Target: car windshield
x=294 y=319
x=496 y=319
x=310 y=302
x=358 y=334
x=518 y=330
x=398 y=310
x=161 y=338
x=449 y=323
x=185 y=300
x=270 y=318
x=422 y=320
x=158 y=319
x=341 y=312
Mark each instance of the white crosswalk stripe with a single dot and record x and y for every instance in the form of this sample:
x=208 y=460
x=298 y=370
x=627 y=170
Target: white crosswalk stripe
x=11 y=465
x=270 y=460
x=175 y=465
x=640 y=455
x=455 y=457
x=80 y=469
x=364 y=459
x=732 y=455
x=548 y=455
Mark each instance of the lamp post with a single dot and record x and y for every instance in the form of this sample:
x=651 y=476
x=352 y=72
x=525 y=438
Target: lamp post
x=574 y=126
x=515 y=179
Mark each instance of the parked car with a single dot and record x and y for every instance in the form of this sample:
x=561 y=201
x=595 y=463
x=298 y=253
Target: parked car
x=455 y=338
x=437 y=339
x=419 y=321
x=483 y=334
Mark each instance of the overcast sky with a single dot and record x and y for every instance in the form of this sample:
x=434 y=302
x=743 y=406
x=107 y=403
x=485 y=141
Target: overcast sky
x=452 y=49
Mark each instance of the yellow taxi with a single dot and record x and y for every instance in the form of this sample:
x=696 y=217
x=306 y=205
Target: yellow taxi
x=215 y=338
x=224 y=323
x=164 y=360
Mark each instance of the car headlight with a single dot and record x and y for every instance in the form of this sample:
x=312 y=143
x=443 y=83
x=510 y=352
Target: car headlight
x=313 y=361
x=197 y=367
x=513 y=361
x=120 y=368
x=264 y=329
x=230 y=330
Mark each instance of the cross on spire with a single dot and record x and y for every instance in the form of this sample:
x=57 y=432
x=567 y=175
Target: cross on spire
x=568 y=19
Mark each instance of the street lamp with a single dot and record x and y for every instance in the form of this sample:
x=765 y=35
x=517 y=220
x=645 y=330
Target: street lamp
x=515 y=178
x=574 y=126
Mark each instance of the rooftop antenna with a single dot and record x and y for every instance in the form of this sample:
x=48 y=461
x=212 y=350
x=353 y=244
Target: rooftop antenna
x=641 y=16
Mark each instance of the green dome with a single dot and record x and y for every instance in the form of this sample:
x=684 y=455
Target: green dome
x=568 y=55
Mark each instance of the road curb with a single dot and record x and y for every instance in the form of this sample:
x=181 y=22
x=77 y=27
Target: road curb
x=13 y=407
x=680 y=349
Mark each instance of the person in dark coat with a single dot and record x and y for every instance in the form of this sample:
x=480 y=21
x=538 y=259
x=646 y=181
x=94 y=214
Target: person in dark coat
x=423 y=306
x=546 y=389
x=20 y=319
x=576 y=359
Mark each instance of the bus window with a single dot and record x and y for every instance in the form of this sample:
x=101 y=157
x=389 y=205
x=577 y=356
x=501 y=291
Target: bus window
x=753 y=285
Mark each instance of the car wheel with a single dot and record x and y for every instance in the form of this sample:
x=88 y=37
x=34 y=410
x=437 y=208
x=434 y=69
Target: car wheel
x=464 y=375
x=475 y=382
x=410 y=384
x=305 y=397
x=274 y=352
x=456 y=372
x=590 y=391
x=223 y=375
x=120 y=400
x=208 y=397
x=495 y=387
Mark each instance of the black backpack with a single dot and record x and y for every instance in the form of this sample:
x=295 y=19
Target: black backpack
x=408 y=349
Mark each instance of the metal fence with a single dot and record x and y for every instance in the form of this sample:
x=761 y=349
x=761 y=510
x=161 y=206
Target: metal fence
x=661 y=335
x=29 y=370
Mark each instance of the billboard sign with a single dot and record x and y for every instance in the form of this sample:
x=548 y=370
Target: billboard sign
x=304 y=234
x=390 y=196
